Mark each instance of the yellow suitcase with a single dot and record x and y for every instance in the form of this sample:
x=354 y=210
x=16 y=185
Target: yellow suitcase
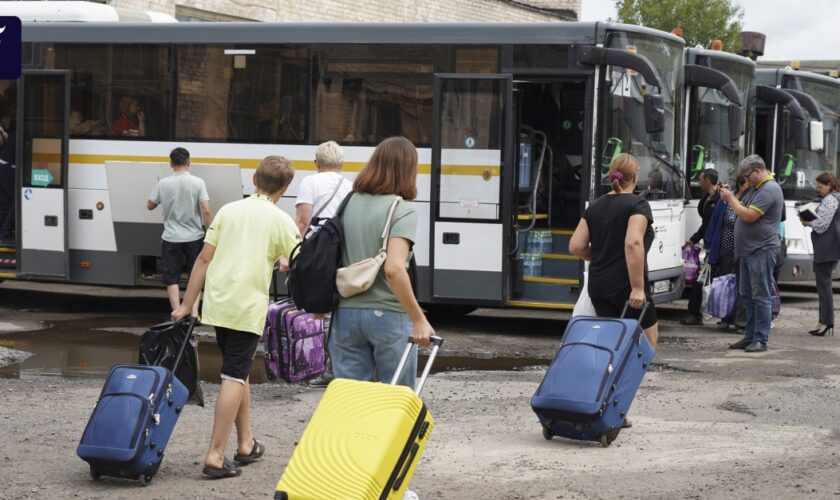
x=363 y=441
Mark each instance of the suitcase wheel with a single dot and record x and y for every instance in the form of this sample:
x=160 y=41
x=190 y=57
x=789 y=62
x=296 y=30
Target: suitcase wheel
x=547 y=433
x=145 y=479
x=605 y=440
x=95 y=473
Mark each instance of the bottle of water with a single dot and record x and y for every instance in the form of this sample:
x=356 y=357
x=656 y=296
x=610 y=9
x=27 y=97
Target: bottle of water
x=531 y=264
x=546 y=242
x=533 y=243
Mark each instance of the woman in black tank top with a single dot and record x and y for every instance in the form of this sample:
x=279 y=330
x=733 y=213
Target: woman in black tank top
x=615 y=234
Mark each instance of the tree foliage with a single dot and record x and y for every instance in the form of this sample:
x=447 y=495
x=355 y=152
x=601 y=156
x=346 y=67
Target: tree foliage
x=701 y=20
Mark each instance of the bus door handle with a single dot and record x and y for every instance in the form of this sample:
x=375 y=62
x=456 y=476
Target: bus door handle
x=51 y=220
x=451 y=238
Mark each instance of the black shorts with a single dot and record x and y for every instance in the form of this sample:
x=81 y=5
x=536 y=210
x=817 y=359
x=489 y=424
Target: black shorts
x=238 y=351
x=174 y=256
x=612 y=307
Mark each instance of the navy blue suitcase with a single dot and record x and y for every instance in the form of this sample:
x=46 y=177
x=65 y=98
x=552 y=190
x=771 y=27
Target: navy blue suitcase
x=593 y=379
x=133 y=420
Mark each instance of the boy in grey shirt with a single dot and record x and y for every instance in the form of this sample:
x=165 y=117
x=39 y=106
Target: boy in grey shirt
x=186 y=207
x=757 y=245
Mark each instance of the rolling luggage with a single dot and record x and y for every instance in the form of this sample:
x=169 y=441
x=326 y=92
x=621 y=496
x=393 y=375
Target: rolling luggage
x=363 y=442
x=130 y=426
x=295 y=343
x=593 y=379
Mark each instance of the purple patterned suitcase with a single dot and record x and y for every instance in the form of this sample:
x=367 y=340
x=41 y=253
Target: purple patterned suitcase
x=294 y=343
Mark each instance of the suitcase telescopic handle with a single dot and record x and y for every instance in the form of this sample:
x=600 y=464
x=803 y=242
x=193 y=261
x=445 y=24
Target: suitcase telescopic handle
x=436 y=343
x=641 y=316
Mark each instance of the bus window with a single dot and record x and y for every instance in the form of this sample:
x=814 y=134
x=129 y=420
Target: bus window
x=242 y=95
x=476 y=60
x=117 y=91
x=540 y=56
x=366 y=93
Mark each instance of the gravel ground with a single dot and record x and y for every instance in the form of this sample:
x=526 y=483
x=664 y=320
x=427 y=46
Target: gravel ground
x=708 y=422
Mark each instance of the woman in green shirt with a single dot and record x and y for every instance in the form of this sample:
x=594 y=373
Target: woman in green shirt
x=370 y=330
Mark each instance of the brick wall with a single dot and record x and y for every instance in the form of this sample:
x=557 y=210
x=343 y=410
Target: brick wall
x=374 y=10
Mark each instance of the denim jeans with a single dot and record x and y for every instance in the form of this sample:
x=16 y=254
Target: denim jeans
x=365 y=342
x=754 y=288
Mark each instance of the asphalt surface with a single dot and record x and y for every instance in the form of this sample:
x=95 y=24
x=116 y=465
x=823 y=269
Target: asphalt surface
x=709 y=422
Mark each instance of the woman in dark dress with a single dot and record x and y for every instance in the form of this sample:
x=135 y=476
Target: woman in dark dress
x=615 y=234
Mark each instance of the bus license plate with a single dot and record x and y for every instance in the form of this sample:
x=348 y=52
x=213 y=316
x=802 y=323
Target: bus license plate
x=661 y=286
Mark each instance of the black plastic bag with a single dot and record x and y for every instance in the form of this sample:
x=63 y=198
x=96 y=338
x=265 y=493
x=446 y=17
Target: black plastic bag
x=160 y=345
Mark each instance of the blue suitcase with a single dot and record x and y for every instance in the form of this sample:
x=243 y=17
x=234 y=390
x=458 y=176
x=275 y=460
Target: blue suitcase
x=593 y=379
x=130 y=426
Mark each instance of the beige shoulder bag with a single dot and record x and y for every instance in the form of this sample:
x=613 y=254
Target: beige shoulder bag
x=359 y=277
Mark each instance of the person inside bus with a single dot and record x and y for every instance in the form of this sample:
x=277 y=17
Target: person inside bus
x=131 y=122
x=243 y=242
x=78 y=125
x=186 y=208
x=825 y=236
x=709 y=184
x=615 y=235
x=757 y=245
x=7 y=177
x=319 y=196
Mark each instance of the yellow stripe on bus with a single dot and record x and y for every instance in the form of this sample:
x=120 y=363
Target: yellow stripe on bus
x=485 y=171
x=552 y=281
x=8 y=276
x=540 y=305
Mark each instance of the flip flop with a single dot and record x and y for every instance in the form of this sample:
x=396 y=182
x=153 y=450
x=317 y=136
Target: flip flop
x=227 y=470
x=257 y=452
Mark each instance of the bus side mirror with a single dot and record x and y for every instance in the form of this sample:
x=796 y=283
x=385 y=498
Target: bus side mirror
x=654 y=113
x=800 y=134
x=816 y=129
x=736 y=123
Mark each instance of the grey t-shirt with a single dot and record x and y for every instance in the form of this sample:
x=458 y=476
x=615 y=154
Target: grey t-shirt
x=363 y=219
x=767 y=199
x=180 y=194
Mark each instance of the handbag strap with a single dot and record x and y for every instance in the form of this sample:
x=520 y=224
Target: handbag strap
x=335 y=192
x=387 y=229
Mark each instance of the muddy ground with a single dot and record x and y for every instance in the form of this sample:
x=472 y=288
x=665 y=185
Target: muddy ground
x=709 y=422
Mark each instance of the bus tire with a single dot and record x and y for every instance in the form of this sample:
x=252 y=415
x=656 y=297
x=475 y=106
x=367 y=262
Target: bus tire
x=448 y=310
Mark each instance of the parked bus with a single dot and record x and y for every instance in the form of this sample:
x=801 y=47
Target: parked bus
x=515 y=125
x=796 y=132
x=719 y=96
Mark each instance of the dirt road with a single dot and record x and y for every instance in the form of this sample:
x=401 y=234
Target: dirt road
x=708 y=422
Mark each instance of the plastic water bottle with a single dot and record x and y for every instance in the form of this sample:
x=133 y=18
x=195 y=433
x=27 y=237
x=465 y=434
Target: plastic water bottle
x=533 y=243
x=531 y=264
x=546 y=242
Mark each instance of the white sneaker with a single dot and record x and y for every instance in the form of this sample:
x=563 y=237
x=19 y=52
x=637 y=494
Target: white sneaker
x=410 y=495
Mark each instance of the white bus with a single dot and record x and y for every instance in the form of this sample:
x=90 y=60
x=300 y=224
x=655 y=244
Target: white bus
x=515 y=124
x=796 y=132
x=719 y=110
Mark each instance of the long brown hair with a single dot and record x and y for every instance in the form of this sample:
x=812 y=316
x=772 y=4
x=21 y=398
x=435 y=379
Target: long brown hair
x=829 y=180
x=392 y=169
x=623 y=170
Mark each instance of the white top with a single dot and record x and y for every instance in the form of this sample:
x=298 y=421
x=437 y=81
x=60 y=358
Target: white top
x=317 y=189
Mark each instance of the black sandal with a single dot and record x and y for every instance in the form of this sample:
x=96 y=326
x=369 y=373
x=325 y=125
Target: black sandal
x=257 y=452
x=228 y=469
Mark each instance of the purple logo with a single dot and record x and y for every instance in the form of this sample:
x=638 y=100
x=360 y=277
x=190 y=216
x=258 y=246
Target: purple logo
x=10 y=43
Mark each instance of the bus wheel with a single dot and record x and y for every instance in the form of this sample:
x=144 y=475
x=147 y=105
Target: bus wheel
x=448 y=310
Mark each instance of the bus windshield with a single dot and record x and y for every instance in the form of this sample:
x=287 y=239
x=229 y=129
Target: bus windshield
x=709 y=141
x=797 y=169
x=623 y=124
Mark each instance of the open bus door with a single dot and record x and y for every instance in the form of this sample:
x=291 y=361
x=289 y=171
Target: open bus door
x=470 y=205
x=43 y=111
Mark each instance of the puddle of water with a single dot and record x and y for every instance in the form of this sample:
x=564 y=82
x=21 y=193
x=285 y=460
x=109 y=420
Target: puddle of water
x=76 y=351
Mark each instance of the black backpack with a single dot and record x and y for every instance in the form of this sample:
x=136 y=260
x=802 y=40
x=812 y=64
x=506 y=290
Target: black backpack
x=313 y=264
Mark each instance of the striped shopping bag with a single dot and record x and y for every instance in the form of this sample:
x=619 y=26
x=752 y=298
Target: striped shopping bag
x=722 y=297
